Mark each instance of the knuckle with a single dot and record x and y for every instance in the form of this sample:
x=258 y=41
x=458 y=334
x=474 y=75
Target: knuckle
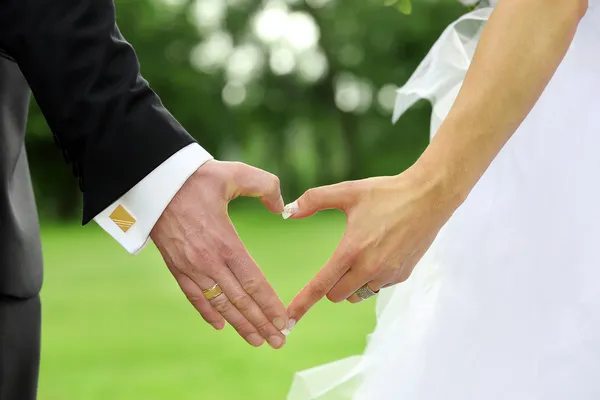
x=275 y=182
x=373 y=270
x=349 y=257
x=233 y=170
x=351 y=186
x=253 y=286
x=239 y=169
x=391 y=266
x=351 y=190
x=361 y=245
x=353 y=246
x=318 y=288
x=237 y=259
x=237 y=166
x=226 y=250
x=271 y=311
x=299 y=310
x=194 y=299
x=198 y=256
x=310 y=195
x=244 y=328
x=403 y=278
x=264 y=327
x=221 y=304
x=242 y=303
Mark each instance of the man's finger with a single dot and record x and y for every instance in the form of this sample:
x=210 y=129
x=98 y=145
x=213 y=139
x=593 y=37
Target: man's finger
x=196 y=298
x=337 y=196
x=246 y=305
x=254 y=182
x=223 y=306
x=321 y=284
x=254 y=283
x=243 y=327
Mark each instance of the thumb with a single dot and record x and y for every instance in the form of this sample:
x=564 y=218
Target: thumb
x=254 y=182
x=338 y=196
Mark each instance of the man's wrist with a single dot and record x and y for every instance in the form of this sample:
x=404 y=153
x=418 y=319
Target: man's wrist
x=131 y=218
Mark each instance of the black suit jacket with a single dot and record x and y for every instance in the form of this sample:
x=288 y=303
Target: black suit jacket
x=107 y=121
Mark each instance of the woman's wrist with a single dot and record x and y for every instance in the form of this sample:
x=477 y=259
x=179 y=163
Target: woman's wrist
x=440 y=184
x=448 y=168
x=457 y=157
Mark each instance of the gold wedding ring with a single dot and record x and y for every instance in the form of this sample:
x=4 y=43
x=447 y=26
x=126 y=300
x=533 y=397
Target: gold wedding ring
x=212 y=292
x=365 y=292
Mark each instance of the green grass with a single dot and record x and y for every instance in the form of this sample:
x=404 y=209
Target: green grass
x=117 y=327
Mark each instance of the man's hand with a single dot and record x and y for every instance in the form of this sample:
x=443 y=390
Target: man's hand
x=201 y=247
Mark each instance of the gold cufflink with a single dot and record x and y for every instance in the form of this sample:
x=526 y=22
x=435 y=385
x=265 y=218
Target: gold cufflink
x=122 y=218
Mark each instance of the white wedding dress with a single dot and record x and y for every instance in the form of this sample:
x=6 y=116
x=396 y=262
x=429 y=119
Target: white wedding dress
x=506 y=303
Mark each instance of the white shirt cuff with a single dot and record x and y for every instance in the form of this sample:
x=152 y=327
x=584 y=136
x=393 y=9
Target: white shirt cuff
x=131 y=218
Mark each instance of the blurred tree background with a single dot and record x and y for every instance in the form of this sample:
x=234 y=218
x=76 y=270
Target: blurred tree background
x=301 y=88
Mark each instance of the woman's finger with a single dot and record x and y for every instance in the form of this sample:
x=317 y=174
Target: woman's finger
x=360 y=274
x=375 y=285
x=321 y=284
x=348 y=284
x=389 y=277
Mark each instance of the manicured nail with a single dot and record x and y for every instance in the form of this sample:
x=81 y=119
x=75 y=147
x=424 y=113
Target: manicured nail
x=255 y=340
x=275 y=341
x=279 y=323
x=291 y=324
x=290 y=210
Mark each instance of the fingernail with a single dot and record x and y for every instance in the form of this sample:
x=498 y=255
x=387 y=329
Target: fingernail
x=275 y=341
x=290 y=210
x=279 y=323
x=255 y=340
x=291 y=324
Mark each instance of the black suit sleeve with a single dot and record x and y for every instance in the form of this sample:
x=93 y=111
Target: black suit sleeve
x=86 y=80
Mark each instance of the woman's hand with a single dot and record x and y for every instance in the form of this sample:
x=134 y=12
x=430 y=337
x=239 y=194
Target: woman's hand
x=391 y=222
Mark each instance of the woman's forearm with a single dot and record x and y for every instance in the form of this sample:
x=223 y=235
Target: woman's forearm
x=520 y=49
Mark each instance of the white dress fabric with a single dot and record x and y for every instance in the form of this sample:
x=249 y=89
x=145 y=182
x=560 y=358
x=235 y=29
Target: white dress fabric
x=506 y=303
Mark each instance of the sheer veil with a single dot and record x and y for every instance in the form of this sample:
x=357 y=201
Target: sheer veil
x=439 y=76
